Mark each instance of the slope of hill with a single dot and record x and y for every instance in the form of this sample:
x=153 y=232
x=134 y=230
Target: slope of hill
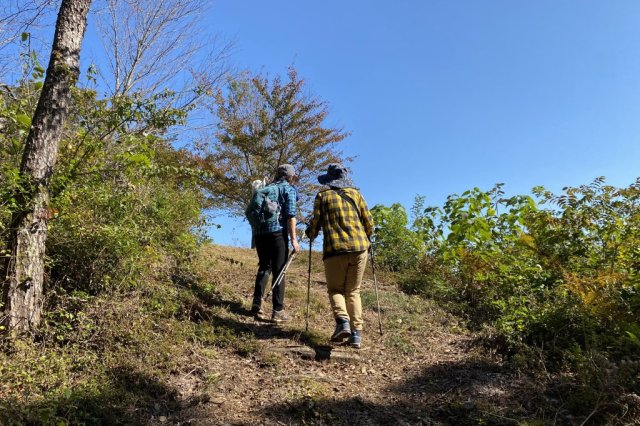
x=182 y=348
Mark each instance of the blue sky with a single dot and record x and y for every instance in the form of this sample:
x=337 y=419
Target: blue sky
x=442 y=96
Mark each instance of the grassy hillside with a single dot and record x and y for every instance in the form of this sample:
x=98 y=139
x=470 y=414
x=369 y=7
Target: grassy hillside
x=182 y=348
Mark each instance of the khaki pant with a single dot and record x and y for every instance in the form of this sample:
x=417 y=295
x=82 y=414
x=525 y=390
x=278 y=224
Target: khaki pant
x=344 y=274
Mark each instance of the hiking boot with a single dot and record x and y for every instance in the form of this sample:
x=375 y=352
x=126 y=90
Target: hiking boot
x=280 y=316
x=257 y=312
x=342 y=330
x=356 y=339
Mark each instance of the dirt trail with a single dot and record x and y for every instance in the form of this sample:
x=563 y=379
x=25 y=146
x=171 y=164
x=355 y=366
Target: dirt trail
x=425 y=368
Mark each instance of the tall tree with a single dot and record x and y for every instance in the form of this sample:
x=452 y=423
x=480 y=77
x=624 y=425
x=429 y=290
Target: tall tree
x=263 y=123
x=155 y=44
x=24 y=271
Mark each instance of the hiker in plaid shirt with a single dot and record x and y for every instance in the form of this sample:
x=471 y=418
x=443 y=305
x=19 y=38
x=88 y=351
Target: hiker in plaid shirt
x=346 y=223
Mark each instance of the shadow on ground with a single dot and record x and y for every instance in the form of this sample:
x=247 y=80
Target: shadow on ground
x=455 y=393
x=127 y=398
x=261 y=330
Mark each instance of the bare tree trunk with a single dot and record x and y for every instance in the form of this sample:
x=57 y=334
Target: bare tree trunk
x=24 y=273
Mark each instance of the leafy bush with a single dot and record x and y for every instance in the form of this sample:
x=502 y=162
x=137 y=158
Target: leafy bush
x=397 y=248
x=557 y=272
x=121 y=194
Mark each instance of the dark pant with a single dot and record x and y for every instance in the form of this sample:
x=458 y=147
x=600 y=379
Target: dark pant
x=273 y=250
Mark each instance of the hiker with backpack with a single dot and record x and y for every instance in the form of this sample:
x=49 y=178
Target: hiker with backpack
x=272 y=215
x=346 y=223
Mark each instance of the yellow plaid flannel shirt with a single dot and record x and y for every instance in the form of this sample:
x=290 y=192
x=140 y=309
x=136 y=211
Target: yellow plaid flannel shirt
x=342 y=229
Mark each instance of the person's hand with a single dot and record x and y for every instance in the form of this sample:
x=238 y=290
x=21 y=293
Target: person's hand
x=295 y=245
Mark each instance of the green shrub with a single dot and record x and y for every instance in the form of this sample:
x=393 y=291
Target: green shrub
x=121 y=194
x=396 y=247
x=554 y=275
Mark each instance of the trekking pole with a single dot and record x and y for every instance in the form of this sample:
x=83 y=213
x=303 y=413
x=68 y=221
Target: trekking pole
x=375 y=284
x=281 y=275
x=306 y=327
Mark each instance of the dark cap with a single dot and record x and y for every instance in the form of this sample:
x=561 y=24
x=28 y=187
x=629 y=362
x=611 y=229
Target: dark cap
x=285 y=170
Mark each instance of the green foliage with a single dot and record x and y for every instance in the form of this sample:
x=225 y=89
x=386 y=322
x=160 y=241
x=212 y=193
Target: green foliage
x=559 y=273
x=396 y=247
x=17 y=105
x=120 y=193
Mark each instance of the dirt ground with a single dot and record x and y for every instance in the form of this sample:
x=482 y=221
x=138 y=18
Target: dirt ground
x=424 y=369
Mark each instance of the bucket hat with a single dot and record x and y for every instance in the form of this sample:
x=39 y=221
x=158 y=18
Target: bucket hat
x=336 y=176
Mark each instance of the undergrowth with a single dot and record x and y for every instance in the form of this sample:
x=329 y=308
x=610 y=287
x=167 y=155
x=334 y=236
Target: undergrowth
x=112 y=358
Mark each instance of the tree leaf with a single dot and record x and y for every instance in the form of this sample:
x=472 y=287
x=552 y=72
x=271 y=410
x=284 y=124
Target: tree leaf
x=24 y=120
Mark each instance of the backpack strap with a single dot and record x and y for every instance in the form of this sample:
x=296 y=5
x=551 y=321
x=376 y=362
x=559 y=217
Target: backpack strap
x=280 y=193
x=348 y=199
x=353 y=203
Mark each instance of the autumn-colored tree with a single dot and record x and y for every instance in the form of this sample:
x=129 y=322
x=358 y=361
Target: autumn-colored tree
x=262 y=123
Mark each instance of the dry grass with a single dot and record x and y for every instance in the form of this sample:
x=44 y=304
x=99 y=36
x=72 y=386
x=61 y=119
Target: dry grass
x=185 y=349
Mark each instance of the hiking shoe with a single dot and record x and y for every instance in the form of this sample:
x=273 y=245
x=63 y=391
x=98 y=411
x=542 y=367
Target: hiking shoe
x=257 y=312
x=342 y=330
x=356 y=339
x=280 y=316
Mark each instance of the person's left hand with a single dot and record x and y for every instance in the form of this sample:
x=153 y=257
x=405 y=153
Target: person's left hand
x=295 y=245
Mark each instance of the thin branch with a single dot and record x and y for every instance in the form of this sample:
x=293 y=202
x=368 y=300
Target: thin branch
x=151 y=43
